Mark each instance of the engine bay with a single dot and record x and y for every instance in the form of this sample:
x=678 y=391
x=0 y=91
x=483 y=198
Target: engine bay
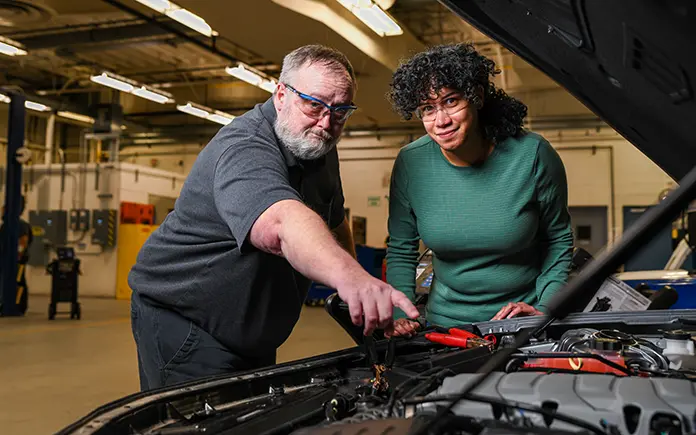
x=630 y=373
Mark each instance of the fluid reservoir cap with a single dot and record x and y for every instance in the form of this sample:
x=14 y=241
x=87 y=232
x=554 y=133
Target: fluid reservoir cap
x=677 y=334
x=602 y=343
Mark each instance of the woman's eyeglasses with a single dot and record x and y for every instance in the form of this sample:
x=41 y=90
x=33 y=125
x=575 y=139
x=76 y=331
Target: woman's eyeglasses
x=450 y=105
x=316 y=109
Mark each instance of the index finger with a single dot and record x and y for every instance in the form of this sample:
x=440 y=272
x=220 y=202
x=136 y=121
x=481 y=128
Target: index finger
x=400 y=300
x=514 y=312
x=503 y=312
x=356 y=312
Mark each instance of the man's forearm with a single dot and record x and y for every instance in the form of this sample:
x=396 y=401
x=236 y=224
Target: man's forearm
x=344 y=236
x=309 y=246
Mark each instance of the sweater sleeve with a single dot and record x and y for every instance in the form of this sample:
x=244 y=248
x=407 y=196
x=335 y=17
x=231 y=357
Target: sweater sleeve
x=555 y=232
x=402 y=249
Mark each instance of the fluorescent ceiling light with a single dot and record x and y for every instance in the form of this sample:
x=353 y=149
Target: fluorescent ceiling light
x=152 y=96
x=243 y=73
x=189 y=19
x=32 y=105
x=36 y=106
x=76 y=117
x=246 y=73
x=106 y=80
x=158 y=5
x=268 y=85
x=220 y=119
x=126 y=85
x=206 y=113
x=184 y=16
x=373 y=16
x=191 y=110
x=11 y=48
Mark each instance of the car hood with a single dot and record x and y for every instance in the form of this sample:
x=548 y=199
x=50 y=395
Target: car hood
x=627 y=61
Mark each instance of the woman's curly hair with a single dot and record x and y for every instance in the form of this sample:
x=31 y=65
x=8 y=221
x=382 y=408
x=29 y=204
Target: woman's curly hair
x=459 y=67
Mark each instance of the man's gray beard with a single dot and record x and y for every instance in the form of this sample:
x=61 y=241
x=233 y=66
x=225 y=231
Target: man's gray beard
x=306 y=146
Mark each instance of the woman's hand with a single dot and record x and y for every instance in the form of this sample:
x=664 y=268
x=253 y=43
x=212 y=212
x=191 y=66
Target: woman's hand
x=402 y=328
x=516 y=309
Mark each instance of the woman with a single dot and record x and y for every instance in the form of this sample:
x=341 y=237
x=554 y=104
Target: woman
x=488 y=198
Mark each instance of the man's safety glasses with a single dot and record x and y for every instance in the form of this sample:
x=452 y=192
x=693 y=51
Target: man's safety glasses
x=315 y=108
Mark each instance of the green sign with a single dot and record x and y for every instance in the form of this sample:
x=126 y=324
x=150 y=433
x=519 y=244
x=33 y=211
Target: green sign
x=374 y=201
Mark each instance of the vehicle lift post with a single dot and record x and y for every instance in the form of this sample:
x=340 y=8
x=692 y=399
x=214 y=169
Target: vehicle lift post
x=13 y=193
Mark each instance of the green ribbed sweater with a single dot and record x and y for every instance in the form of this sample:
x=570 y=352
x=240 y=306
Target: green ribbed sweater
x=500 y=232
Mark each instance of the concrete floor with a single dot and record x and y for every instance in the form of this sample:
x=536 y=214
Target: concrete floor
x=54 y=372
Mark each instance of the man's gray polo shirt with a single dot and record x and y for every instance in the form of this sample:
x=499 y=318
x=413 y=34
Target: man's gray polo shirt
x=200 y=263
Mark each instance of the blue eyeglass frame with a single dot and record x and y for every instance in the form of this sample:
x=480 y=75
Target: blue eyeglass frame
x=332 y=109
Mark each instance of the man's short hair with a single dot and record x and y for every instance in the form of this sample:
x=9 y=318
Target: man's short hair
x=307 y=55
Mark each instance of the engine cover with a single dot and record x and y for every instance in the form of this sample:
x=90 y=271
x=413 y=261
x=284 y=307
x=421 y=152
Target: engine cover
x=634 y=405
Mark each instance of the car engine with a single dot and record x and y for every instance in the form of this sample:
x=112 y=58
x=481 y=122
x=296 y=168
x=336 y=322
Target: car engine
x=617 y=382
x=631 y=374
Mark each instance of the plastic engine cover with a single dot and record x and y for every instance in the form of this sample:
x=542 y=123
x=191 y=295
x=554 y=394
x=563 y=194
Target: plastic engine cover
x=635 y=405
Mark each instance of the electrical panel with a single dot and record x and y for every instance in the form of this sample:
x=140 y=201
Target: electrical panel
x=104 y=226
x=57 y=227
x=38 y=254
x=79 y=219
x=52 y=224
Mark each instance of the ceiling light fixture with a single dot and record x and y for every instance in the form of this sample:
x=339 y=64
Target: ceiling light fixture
x=242 y=72
x=106 y=80
x=249 y=75
x=158 y=5
x=206 y=113
x=76 y=117
x=126 y=85
x=269 y=85
x=373 y=16
x=142 y=92
x=32 y=105
x=184 y=16
x=223 y=119
x=11 y=48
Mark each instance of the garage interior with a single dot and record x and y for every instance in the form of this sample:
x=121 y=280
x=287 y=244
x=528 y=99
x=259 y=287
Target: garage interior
x=97 y=152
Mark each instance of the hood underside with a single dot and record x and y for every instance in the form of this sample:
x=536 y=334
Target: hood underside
x=630 y=62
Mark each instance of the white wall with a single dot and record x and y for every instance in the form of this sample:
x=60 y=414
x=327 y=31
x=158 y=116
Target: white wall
x=177 y=159
x=637 y=180
x=98 y=264
x=365 y=174
x=138 y=182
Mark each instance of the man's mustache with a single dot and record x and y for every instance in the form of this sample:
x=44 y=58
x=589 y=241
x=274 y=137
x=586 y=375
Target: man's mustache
x=325 y=135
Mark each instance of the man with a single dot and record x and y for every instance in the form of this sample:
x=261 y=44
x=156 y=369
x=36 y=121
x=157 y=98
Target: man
x=220 y=284
x=26 y=237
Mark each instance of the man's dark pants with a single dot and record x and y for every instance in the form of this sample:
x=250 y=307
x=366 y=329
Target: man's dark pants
x=173 y=349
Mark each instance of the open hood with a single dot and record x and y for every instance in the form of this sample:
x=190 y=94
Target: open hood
x=628 y=61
